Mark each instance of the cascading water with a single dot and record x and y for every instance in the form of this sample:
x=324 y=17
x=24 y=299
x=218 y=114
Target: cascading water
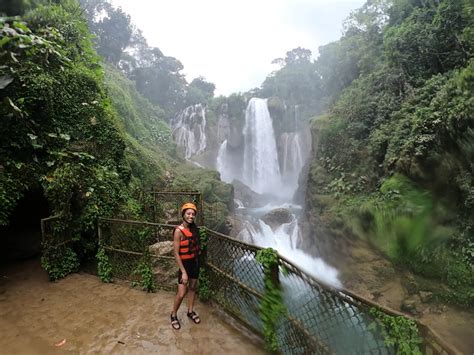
x=261 y=170
x=284 y=239
x=292 y=159
x=189 y=130
x=223 y=163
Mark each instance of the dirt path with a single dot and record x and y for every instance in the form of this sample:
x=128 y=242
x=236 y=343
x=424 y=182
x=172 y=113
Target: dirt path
x=94 y=317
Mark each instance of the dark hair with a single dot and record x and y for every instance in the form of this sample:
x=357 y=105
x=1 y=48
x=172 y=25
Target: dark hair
x=194 y=228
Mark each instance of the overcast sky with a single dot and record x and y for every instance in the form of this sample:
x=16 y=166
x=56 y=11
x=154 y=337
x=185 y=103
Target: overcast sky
x=232 y=43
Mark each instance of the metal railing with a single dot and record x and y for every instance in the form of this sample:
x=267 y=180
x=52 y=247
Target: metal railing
x=125 y=241
x=166 y=205
x=318 y=319
x=53 y=232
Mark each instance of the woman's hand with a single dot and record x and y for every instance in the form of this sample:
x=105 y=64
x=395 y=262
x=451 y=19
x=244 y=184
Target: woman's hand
x=184 y=278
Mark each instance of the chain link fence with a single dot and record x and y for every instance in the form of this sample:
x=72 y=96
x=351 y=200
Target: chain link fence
x=125 y=243
x=166 y=205
x=318 y=319
x=58 y=256
x=54 y=233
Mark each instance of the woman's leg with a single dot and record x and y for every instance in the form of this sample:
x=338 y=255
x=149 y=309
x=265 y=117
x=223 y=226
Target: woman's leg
x=192 y=294
x=179 y=298
x=177 y=302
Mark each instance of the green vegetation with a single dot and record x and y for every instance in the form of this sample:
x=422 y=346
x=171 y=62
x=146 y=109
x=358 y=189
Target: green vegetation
x=393 y=134
x=271 y=306
x=393 y=162
x=144 y=271
x=59 y=261
x=104 y=269
x=399 y=332
x=76 y=127
x=217 y=194
x=204 y=290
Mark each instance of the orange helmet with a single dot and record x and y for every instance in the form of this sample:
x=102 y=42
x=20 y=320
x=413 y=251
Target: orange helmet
x=188 y=205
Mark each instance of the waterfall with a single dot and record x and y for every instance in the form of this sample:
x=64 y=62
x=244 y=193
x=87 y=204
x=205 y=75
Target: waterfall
x=292 y=159
x=238 y=203
x=223 y=163
x=261 y=170
x=297 y=117
x=189 y=130
x=284 y=239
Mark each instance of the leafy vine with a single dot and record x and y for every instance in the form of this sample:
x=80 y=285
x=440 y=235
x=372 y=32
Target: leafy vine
x=59 y=261
x=144 y=270
x=204 y=289
x=104 y=268
x=271 y=307
x=400 y=332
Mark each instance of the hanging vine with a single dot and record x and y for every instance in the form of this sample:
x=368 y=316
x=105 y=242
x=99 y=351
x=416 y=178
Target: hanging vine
x=400 y=332
x=204 y=289
x=271 y=307
x=145 y=272
x=104 y=269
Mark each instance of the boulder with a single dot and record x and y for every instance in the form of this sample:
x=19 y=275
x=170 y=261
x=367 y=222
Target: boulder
x=277 y=217
x=237 y=224
x=248 y=197
x=162 y=248
x=410 y=305
x=426 y=296
x=164 y=265
x=244 y=193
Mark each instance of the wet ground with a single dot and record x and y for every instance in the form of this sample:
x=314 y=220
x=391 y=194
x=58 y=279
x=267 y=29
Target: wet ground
x=82 y=315
x=374 y=278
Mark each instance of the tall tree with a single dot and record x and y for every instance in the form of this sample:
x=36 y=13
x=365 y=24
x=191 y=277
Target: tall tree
x=111 y=26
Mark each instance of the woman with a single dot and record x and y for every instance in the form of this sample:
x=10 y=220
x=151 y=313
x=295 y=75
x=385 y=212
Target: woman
x=186 y=253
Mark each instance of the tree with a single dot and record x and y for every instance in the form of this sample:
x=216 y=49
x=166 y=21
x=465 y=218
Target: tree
x=111 y=26
x=199 y=91
x=161 y=82
x=298 y=56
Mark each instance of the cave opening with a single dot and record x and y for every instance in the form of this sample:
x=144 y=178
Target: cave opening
x=21 y=238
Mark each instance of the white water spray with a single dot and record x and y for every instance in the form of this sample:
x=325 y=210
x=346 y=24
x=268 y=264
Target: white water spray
x=292 y=159
x=189 y=130
x=222 y=164
x=261 y=170
x=284 y=240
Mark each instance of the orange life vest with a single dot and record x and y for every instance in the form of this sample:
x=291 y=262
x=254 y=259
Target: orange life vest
x=188 y=244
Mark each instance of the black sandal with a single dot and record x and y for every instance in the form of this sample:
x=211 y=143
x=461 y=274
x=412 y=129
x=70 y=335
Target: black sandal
x=194 y=316
x=175 y=322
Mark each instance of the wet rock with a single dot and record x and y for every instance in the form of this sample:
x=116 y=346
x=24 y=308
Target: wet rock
x=245 y=194
x=277 y=217
x=226 y=130
x=410 y=305
x=164 y=271
x=164 y=267
x=426 y=296
x=237 y=224
x=376 y=295
x=438 y=309
x=161 y=248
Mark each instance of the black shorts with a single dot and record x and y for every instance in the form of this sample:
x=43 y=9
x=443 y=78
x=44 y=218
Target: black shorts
x=192 y=269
